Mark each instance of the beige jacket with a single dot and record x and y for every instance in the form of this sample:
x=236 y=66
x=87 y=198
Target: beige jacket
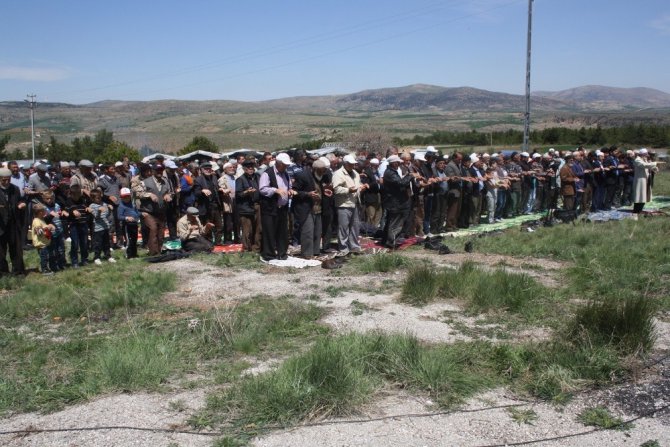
x=342 y=181
x=184 y=229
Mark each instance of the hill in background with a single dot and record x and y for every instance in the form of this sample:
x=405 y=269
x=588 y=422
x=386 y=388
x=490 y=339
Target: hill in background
x=168 y=125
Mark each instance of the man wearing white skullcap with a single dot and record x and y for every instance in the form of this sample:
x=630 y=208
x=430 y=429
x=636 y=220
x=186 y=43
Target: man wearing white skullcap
x=644 y=169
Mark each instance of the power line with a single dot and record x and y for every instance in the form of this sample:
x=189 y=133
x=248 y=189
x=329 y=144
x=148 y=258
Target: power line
x=306 y=41
x=395 y=36
x=431 y=8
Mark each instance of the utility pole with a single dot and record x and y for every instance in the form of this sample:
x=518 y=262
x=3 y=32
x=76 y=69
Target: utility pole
x=526 y=123
x=32 y=104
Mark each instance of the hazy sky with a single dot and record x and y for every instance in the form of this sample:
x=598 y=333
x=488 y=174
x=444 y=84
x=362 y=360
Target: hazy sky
x=79 y=51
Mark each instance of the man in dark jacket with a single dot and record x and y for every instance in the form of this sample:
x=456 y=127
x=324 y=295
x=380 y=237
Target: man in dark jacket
x=247 y=200
x=397 y=200
x=371 y=196
x=208 y=198
x=11 y=205
x=275 y=192
x=453 y=171
x=310 y=188
x=154 y=201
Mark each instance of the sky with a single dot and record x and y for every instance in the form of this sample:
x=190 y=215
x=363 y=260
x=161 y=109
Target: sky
x=78 y=52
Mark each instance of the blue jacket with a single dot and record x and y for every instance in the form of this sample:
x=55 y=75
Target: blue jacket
x=127 y=210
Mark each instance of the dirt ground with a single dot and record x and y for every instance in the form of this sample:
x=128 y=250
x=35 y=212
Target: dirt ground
x=362 y=303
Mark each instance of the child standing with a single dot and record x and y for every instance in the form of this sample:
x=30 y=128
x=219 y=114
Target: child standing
x=41 y=236
x=101 y=225
x=129 y=218
x=76 y=206
x=53 y=216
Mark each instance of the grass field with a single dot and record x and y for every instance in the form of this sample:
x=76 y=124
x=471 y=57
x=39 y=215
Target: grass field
x=80 y=334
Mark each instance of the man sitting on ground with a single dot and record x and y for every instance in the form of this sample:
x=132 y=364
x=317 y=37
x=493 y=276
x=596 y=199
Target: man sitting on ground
x=194 y=236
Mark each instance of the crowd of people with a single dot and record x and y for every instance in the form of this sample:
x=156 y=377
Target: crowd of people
x=271 y=202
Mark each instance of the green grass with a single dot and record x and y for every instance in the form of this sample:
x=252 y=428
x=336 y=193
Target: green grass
x=46 y=375
x=337 y=375
x=617 y=260
x=600 y=417
x=85 y=292
x=138 y=361
x=383 y=263
x=482 y=290
x=625 y=324
x=522 y=416
x=258 y=324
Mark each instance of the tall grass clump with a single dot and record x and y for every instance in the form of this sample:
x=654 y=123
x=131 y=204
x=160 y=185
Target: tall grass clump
x=328 y=380
x=383 y=263
x=139 y=361
x=338 y=374
x=481 y=290
x=555 y=369
x=484 y=290
x=258 y=323
x=421 y=285
x=627 y=325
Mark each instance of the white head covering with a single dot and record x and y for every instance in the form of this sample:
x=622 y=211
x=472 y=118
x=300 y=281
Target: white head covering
x=349 y=159
x=284 y=158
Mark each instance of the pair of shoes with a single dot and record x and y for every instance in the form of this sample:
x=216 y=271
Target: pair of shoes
x=112 y=260
x=47 y=273
x=97 y=262
x=344 y=252
x=267 y=258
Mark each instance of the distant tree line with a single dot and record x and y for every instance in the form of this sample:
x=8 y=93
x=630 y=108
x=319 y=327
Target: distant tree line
x=641 y=134
x=102 y=148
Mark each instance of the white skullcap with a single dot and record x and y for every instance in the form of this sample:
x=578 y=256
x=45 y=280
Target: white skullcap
x=474 y=158
x=431 y=149
x=393 y=159
x=374 y=161
x=643 y=151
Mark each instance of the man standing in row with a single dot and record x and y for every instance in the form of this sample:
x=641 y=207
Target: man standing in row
x=12 y=205
x=347 y=188
x=275 y=192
